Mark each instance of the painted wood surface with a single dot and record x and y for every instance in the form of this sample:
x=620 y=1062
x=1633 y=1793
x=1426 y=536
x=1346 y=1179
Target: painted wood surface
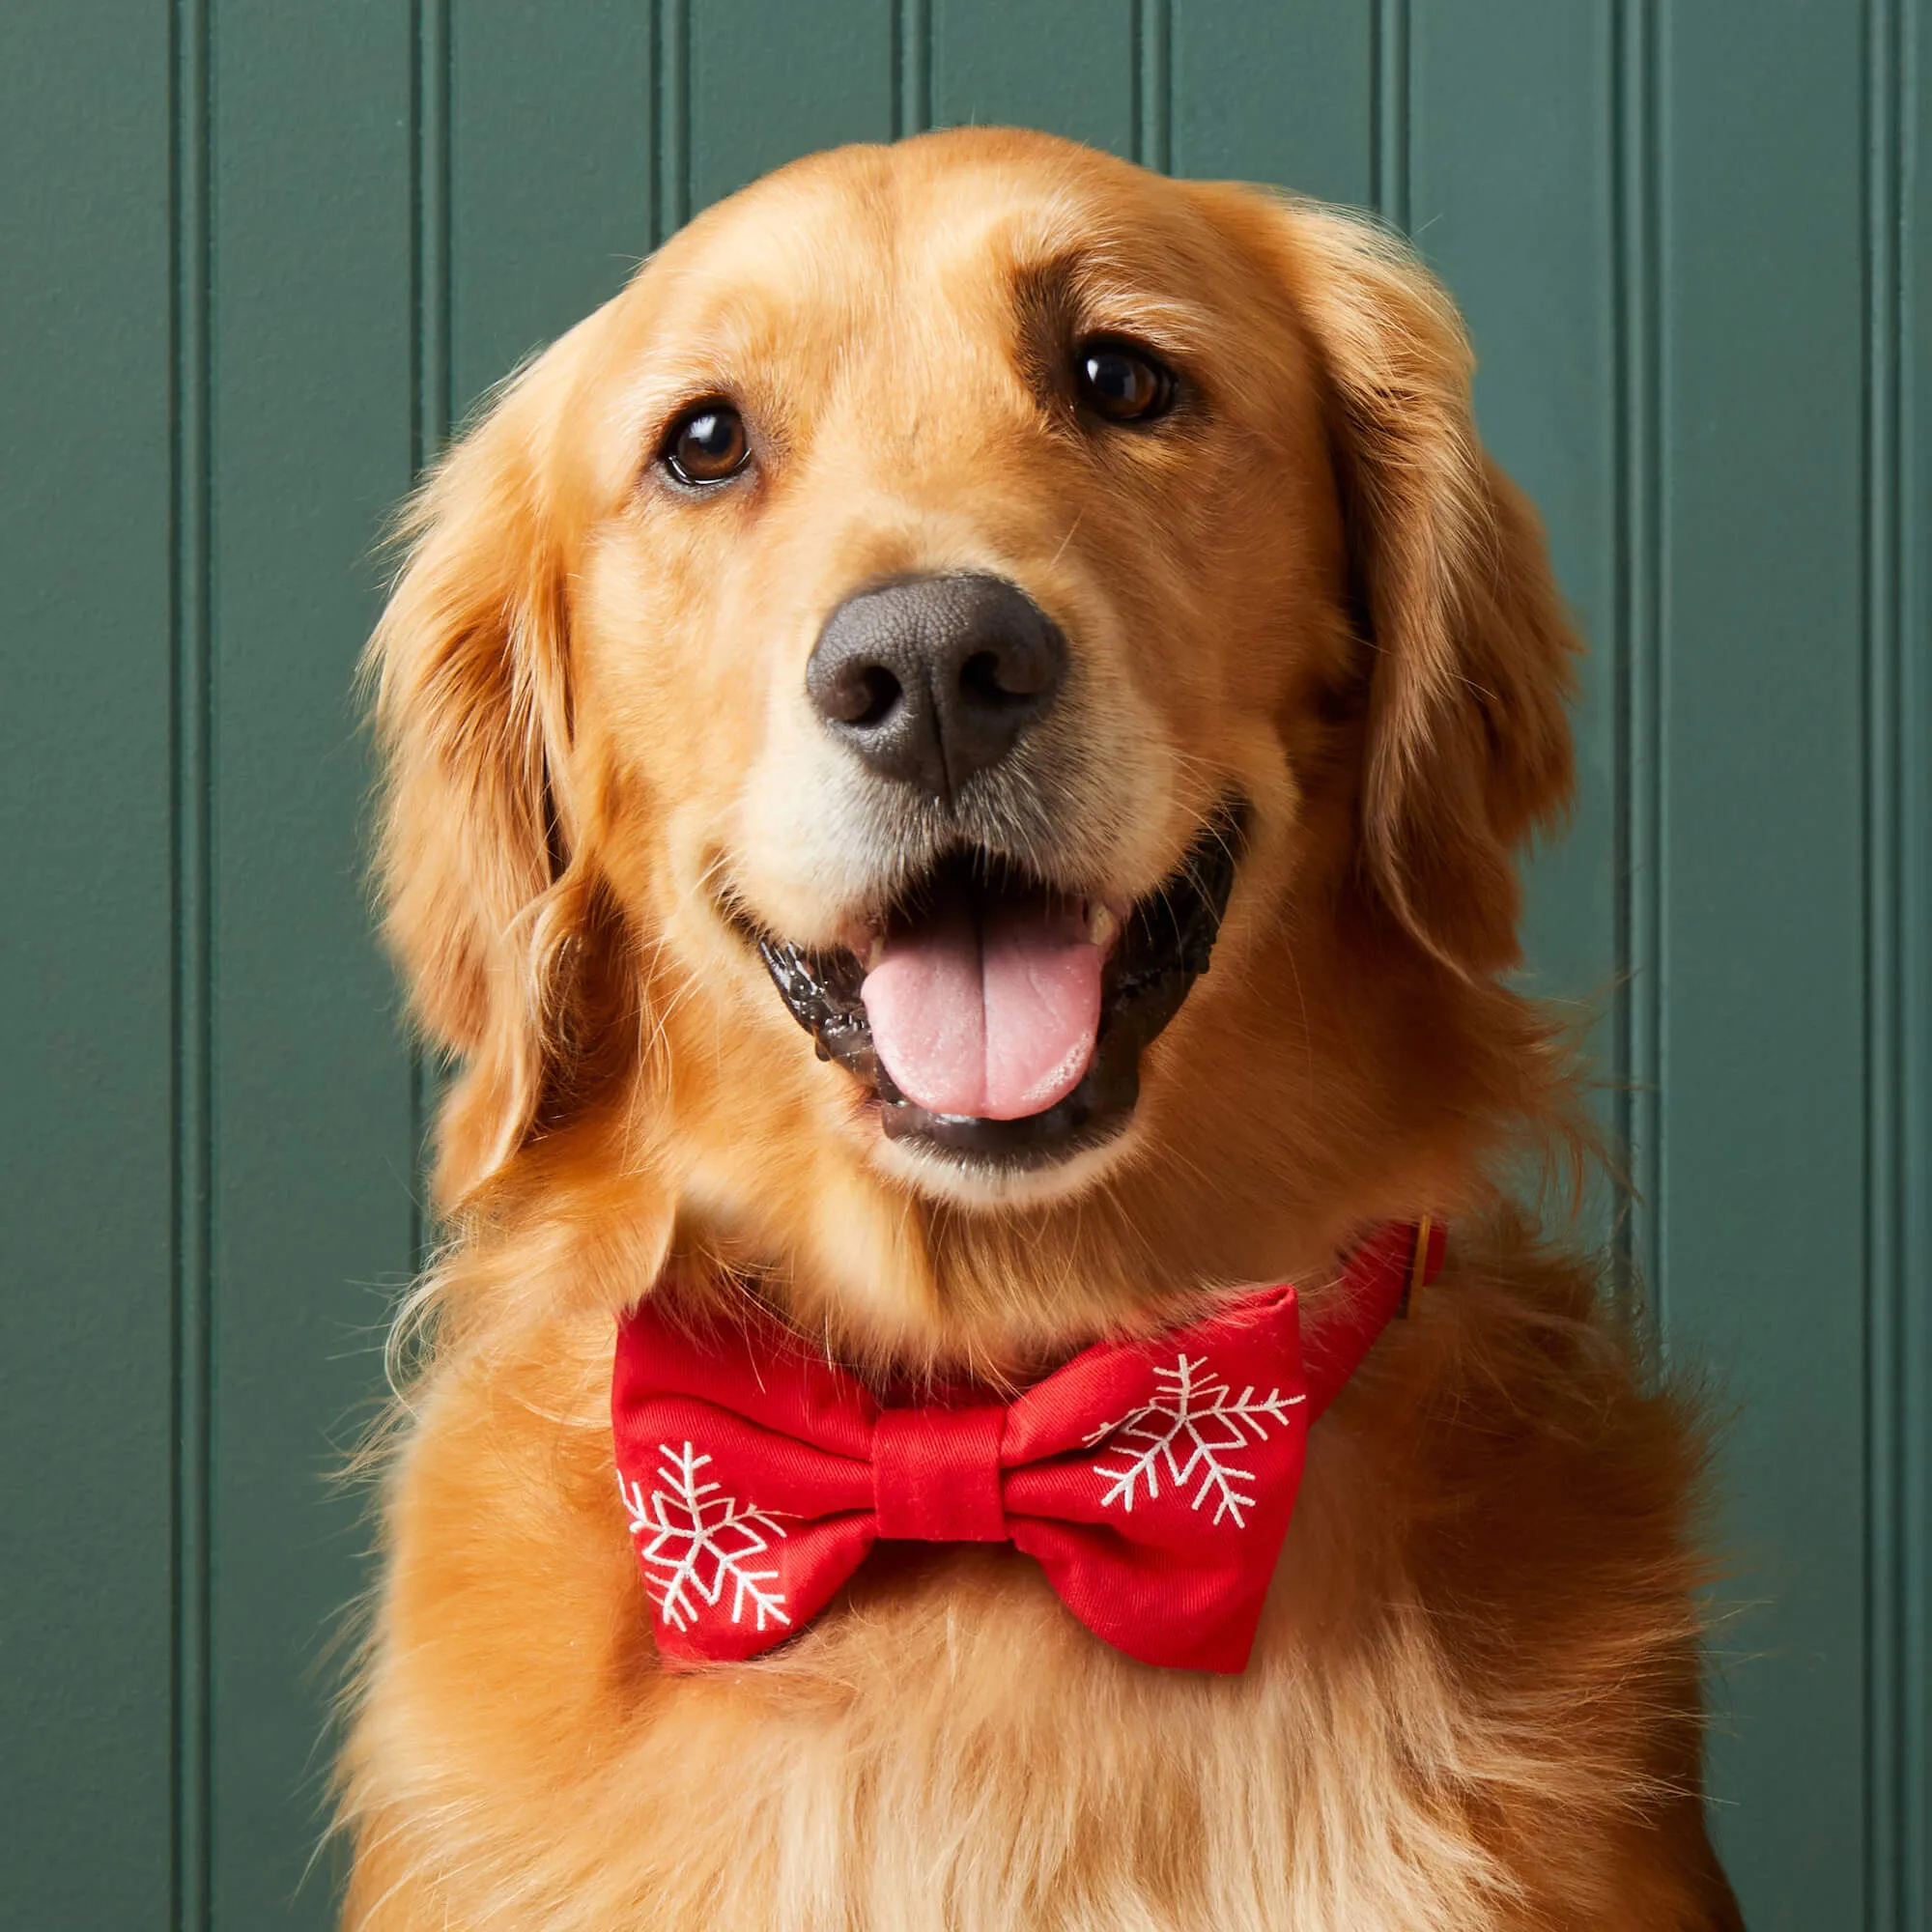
x=259 y=258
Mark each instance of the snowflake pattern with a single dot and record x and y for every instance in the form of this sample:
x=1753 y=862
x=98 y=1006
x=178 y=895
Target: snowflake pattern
x=700 y=1541
x=1188 y=1431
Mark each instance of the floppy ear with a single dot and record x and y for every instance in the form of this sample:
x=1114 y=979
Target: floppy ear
x=482 y=899
x=1468 y=743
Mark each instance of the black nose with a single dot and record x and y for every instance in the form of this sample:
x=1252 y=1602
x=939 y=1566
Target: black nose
x=934 y=679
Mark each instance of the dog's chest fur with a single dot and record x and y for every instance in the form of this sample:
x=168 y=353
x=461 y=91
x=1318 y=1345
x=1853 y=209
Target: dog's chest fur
x=1469 y=1707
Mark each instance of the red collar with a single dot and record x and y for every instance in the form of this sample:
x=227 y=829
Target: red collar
x=1153 y=1481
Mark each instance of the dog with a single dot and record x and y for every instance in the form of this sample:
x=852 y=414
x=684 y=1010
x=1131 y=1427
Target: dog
x=954 y=763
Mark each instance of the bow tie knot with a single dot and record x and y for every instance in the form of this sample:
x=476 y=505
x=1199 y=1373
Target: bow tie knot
x=1153 y=1481
x=936 y=1474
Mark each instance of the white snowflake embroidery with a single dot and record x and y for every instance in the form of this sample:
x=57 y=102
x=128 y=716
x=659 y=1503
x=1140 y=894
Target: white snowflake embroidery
x=700 y=1540
x=1189 y=1429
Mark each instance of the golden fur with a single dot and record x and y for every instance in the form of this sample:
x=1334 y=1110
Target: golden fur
x=1474 y=1702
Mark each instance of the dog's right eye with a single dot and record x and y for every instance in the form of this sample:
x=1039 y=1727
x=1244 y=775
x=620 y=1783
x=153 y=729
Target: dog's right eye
x=706 y=444
x=1121 y=383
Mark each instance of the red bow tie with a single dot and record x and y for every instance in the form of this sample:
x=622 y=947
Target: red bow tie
x=1151 y=1481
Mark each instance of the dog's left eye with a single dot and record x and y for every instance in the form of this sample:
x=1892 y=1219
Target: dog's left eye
x=1121 y=383
x=706 y=444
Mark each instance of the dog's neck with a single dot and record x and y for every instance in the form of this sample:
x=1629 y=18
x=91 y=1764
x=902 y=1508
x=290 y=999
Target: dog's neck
x=894 y=1285
x=1287 y=1162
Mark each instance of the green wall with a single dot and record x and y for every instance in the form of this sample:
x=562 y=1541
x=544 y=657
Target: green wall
x=256 y=257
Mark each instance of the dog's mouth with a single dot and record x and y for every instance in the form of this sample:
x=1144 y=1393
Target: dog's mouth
x=1000 y=1019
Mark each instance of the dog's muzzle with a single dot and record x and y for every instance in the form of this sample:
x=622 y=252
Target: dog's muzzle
x=995 y=1011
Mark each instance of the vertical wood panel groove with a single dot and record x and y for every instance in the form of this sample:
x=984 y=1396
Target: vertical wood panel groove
x=898 y=30
x=1878 y=730
x=912 y=67
x=1912 y=1521
x=1890 y=1688
x=1639 y=912
x=1393 y=94
x=1617 y=123
x=673 y=116
x=418 y=1095
x=190 y=730
x=654 y=119
x=432 y=410
x=1153 y=84
x=1377 y=104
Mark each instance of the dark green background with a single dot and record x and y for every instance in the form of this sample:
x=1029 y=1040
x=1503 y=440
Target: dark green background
x=257 y=254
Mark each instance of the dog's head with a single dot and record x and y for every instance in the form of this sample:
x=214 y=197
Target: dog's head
x=845 y=695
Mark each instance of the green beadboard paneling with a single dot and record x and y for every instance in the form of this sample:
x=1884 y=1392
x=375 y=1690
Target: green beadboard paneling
x=1284 y=94
x=1693 y=263
x=313 y=431
x=1902 y=1704
x=86 y=1029
x=768 y=81
x=1761 y=1206
x=1071 y=67
x=1530 y=254
x=552 y=173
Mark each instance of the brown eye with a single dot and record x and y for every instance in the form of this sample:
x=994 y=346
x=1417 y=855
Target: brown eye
x=706 y=444
x=1121 y=383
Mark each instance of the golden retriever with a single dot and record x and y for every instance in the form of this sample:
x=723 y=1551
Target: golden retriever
x=944 y=570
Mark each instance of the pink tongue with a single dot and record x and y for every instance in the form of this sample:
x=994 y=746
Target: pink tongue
x=993 y=1014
